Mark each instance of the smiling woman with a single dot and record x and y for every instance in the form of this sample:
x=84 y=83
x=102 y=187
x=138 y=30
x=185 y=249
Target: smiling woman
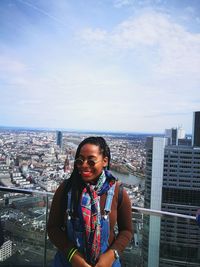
x=85 y=210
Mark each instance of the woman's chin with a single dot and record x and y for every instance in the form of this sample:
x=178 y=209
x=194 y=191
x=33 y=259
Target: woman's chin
x=89 y=178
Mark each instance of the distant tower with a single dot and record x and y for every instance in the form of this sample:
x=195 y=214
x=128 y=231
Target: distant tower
x=174 y=135
x=59 y=139
x=196 y=129
x=180 y=133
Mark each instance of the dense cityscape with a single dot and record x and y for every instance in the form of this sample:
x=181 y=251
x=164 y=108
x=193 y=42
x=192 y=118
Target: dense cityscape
x=41 y=160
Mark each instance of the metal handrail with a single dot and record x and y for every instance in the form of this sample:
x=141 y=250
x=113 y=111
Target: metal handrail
x=160 y=213
x=24 y=191
x=134 y=208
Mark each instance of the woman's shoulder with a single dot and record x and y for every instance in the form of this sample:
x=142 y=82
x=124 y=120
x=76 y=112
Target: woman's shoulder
x=62 y=187
x=118 y=195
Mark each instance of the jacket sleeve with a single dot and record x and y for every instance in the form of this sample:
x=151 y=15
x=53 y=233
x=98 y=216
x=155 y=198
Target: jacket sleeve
x=124 y=222
x=56 y=231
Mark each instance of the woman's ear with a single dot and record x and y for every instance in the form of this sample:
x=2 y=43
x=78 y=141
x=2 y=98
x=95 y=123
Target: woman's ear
x=105 y=162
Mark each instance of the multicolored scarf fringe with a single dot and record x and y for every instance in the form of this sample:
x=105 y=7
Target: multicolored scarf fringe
x=90 y=207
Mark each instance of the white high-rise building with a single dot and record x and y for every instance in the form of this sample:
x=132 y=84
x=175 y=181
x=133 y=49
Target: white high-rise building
x=6 y=250
x=154 y=181
x=180 y=133
x=173 y=185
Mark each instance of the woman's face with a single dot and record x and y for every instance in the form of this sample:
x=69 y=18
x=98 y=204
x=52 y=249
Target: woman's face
x=87 y=172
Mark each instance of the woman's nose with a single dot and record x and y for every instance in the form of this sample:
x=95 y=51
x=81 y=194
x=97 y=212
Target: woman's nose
x=85 y=163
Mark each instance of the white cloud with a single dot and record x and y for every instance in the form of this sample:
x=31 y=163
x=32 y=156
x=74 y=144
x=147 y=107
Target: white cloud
x=96 y=35
x=177 y=51
x=122 y=3
x=11 y=65
x=29 y=102
x=112 y=79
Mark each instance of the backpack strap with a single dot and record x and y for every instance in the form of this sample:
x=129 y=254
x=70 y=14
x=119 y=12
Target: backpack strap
x=69 y=196
x=109 y=198
x=66 y=198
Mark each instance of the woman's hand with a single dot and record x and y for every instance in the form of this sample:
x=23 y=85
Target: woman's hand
x=79 y=261
x=106 y=259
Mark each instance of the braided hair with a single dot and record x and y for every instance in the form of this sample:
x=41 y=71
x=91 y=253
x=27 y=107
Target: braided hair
x=75 y=181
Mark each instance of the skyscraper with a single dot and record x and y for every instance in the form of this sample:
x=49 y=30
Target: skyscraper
x=153 y=199
x=196 y=129
x=172 y=184
x=175 y=135
x=59 y=139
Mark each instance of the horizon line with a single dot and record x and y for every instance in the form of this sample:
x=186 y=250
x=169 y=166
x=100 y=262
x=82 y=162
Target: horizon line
x=76 y=130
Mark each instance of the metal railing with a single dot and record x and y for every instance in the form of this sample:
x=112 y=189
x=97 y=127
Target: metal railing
x=134 y=208
x=161 y=213
x=28 y=245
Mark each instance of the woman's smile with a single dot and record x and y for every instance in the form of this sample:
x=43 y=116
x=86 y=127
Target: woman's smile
x=85 y=173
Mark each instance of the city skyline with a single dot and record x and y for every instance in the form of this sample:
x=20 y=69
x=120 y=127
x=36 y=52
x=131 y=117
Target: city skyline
x=117 y=65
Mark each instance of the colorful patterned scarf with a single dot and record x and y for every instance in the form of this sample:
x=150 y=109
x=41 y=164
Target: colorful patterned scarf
x=90 y=207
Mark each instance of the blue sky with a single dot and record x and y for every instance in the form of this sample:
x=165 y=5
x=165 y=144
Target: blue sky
x=111 y=65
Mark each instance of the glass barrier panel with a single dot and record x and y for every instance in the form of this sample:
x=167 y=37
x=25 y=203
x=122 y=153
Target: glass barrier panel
x=50 y=248
x=159 y=240
x=163 y=241
x=23 y=218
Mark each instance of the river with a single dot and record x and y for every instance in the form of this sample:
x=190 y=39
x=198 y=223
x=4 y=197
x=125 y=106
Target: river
x=128 y=179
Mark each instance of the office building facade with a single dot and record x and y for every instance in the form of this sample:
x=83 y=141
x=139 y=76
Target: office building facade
x=173 y=185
